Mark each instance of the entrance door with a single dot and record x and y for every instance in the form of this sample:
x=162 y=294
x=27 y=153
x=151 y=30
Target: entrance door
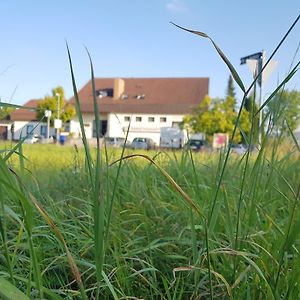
x=3 y=132
x=103 y=128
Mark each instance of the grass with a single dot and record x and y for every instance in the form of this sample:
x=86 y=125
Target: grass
x=156 y=247
x=115 y=224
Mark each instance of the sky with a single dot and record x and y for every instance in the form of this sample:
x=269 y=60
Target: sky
x=134 y=38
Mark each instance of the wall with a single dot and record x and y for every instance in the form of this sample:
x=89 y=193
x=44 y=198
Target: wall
x=20 y=129
x=88 y=120
x=118 y=125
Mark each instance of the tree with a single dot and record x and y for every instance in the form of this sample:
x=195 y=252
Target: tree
x=252 y=108
x=51 y=103
x=230 y=91
x=5 y=112
x=217 y=116
x=284 y=109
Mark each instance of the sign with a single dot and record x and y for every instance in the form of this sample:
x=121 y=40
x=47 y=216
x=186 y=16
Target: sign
x=220 y=140
x=256 y=56
x=48 y=113
x=57 y=123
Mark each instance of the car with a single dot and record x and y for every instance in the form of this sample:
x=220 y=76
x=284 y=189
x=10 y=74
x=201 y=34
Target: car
x=142 y=143
x=238 y=149
x=32 y=139
x=117 y=142
x=195 y=144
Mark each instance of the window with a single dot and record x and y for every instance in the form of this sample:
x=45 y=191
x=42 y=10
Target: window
x=138 y=119
x=176 y=124
x=151 y=119
x=29 y=129
x=127 y=119
x=163 y=119
x=43 y=130
x=103 y=128
x=104 y=93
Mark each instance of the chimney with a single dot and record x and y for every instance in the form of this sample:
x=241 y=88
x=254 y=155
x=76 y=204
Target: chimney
x=119 y=88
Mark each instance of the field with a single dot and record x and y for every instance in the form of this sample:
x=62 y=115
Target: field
x=159 y=242
x=83 y=223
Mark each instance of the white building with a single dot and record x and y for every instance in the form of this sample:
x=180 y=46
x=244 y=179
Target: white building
x=24 y=121
x=147 y=104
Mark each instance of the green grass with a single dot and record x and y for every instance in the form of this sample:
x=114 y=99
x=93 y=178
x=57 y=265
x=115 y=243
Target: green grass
x=97 y=223
x=156 y=247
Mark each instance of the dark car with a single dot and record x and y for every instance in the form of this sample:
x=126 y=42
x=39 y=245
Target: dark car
x=195 y=145
x=142 y=143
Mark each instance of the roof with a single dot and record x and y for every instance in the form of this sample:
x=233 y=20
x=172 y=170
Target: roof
x=22 y=114
x=161 y=95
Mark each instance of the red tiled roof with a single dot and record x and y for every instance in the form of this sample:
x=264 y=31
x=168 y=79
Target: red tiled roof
x=22 y=114
x=162 y=95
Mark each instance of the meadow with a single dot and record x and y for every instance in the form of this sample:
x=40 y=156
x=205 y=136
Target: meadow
x=158 y=245
x=97 y=223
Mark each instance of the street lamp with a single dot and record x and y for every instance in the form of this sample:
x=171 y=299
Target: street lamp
x=58 y=104
x=57 y=122
x=48 y=116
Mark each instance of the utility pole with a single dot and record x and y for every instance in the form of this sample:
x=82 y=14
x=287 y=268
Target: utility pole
x=256 y=63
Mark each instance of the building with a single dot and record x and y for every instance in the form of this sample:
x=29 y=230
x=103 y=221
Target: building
x=147 y=104
x=24 y=121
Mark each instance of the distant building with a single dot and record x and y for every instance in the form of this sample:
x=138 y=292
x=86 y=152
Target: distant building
x=24 y=121
x=147 y=104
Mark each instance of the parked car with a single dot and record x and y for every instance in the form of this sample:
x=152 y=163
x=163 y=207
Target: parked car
x=238 y=149
x=32 y=139
x=142 y=143
x=117 y=142
x=195 y=144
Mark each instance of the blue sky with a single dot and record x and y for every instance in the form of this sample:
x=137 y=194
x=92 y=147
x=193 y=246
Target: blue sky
x=134 y=38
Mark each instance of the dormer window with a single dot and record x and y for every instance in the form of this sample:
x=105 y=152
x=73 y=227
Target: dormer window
x=140 y=96
x=104 y=93
x=124 y=97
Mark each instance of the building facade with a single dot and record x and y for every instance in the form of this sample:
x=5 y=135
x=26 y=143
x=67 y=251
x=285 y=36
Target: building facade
x=140 y=106
x=23 y=122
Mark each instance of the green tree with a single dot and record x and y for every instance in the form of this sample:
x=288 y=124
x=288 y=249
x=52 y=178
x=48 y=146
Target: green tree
x=217 y=116
x=252 y=108
x=285 y=108
x=53 y=102
x=5 y=112
x=230 y=91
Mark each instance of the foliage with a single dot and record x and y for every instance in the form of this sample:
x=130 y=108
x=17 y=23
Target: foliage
x=5 y=111
x=230 y=91
x=285 y=108
x=218 y=116
x=252 y=108
x=66 y=112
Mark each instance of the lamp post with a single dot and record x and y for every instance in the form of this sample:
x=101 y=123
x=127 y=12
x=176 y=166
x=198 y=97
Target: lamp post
x=256 y=63
x=58 y=115
x=48 y=116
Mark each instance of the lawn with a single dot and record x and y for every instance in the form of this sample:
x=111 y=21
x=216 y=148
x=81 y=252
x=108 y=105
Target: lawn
x=163 y=239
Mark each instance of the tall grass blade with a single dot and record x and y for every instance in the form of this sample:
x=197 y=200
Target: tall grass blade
x=17 y=194
x=110 y=286
x=10 y=105
x=285 y=81
x=293 y=136
x=17 y=146
x=234 y=73
x=80 y=118
x=10 y=292
x=98 y=202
